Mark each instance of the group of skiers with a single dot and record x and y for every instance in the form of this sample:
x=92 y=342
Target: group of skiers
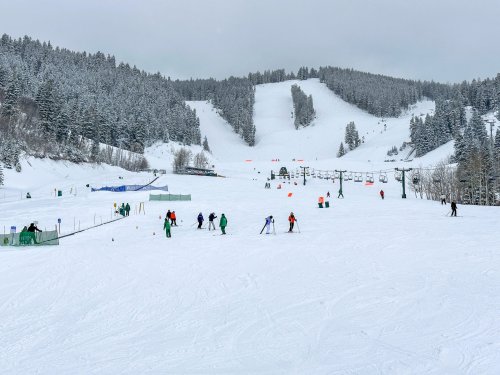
x=270 y=220
x=124 y=209
x=211 y=225
x=171 y=220
x=28 y=234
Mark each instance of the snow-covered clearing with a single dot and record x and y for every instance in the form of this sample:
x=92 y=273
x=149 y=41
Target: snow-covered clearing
x=368 y=286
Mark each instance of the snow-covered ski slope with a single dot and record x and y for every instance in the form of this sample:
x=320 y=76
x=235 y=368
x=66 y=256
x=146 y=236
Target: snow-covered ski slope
x=368 y=286
x=276 y=137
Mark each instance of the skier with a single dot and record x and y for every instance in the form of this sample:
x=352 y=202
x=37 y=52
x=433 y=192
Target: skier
x=127 y=209
x=173 y=219
x=32 y=229
x=328 y=194
x=453 y=208
x=122 y=209
x=269 y=220
x=223 y=223
x=166 y=226
x=169 y=215
x=291 y=220
x=443 y=199
x=382 y=194
x=200 y=220
x=211 y=218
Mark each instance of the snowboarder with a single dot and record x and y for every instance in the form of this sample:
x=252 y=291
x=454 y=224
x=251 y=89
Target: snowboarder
x=173 y=219
x=211 y=218
x=200 y=220
x=443 y=199
x=328 y=194
x=166 y=226
x=382 y=194
x=127 y=209
x=269 y=220
x=291 y=220
x=223 y=223
x=453 y=208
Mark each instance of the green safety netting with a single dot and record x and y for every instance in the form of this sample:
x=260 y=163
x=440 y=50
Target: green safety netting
x=169 y=197
x=30 y=239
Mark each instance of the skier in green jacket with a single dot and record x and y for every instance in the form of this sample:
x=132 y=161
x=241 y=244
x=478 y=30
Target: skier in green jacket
x=127 y=209
x=223 y=223
x=166 y=226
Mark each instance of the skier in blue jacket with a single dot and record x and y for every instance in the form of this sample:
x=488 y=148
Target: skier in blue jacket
x=269 y=220
x=200 y=220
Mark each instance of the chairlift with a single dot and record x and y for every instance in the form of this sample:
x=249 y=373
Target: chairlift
x=398 y=176
x=383 y=177
x=337 y=175
x=369 y=177
x=349 y=176
x=358 y=177
x=416 y=178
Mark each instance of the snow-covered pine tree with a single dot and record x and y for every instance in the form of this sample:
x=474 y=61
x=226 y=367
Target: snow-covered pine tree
x=341 y=152
x=206 y=147
x=303 y=107
x=9 y=105
x=351 y=137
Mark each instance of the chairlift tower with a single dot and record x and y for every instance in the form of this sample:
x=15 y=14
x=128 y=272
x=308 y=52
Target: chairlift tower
x=403 y=170
x=341 y=179
x=304 y=171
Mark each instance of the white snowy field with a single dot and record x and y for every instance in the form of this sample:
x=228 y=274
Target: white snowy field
x=368 y=286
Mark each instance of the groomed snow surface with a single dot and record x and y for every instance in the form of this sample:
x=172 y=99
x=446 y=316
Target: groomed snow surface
x=368 y=286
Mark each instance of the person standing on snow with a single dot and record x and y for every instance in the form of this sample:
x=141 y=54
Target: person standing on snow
x=169 y=215
x=127 y=209
x=291 y=220
x=223 y=223
x=453 y=208
x=173 y=219
x=166 y=227
x=269 y=220
x=200 y=220
x=443 y=199
x=382 y=194
x=211 y=218
x=328 y=194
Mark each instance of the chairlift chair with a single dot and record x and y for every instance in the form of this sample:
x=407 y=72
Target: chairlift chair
x=398 y=176
x=369 y=177
x=416 y=178
x=358 y=177
x=383 y=178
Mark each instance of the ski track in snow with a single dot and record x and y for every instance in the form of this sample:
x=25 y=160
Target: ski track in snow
x=369 y=286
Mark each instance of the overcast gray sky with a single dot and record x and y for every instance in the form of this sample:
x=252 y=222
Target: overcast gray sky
x=445 y=40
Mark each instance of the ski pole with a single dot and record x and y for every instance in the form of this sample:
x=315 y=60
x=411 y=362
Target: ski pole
x=298 y=228
x=262 y=229
x=274 y=229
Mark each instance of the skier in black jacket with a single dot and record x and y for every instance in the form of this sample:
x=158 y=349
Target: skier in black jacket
x=211 y=218
x=453 y=208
